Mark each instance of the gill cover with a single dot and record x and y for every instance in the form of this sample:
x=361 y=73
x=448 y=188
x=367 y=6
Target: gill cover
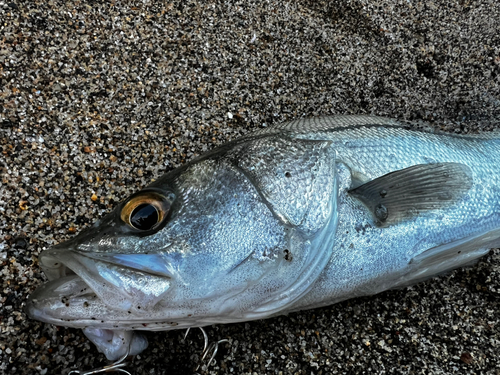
x=297 y=180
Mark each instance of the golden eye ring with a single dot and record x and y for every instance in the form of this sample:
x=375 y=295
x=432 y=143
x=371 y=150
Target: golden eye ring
x=145 y=211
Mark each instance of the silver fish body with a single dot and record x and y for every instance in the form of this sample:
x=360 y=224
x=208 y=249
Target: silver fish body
x=300 y=215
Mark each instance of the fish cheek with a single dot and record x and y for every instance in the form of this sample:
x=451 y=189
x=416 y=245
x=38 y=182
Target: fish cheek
x=226 y=224
x=240 y=229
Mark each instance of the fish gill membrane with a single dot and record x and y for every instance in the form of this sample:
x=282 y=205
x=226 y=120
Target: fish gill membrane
x=296 y=216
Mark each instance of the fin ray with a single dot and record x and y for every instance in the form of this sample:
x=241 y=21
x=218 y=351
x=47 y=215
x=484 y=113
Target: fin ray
x=447 y=257
x=403 y=194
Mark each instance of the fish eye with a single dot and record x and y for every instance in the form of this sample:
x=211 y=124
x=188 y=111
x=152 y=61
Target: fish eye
x=144 y=217
x=145 y=211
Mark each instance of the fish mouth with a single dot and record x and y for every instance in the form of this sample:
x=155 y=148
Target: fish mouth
x=55 y=302
x=68 y=301
x=85 y=287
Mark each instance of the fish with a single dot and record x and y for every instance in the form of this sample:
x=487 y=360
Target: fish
x=296 y=216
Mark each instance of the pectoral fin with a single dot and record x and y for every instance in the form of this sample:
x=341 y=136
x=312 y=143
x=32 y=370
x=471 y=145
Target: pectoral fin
x=403 y=194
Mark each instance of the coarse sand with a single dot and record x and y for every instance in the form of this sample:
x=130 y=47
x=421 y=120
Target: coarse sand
x=97 y=98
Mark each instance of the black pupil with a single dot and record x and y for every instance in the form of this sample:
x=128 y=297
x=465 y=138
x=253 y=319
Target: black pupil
x=144 y=216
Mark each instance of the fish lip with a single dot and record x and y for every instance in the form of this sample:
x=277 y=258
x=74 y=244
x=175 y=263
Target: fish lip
x=42 y=301
x=119 y=281
x=47 y=295
x=45 y=303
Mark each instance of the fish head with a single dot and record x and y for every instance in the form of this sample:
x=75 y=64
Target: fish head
x=239 y=234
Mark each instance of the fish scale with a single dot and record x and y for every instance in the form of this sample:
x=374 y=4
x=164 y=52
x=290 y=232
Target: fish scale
x=296 y=216
x=376 y=151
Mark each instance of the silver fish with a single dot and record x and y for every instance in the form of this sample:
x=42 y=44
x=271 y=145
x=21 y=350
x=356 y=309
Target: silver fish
x=297 y=216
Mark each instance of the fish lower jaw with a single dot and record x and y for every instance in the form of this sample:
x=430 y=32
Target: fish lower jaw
x=92 y=297
x=65 y=302
x=68 y=301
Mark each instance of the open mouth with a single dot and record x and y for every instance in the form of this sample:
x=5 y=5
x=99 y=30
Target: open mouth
x=82 y=285
x=69 y=301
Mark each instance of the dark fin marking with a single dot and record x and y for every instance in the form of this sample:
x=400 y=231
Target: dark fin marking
x=403 y=194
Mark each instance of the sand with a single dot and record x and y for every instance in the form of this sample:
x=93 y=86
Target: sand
x=98 y=98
